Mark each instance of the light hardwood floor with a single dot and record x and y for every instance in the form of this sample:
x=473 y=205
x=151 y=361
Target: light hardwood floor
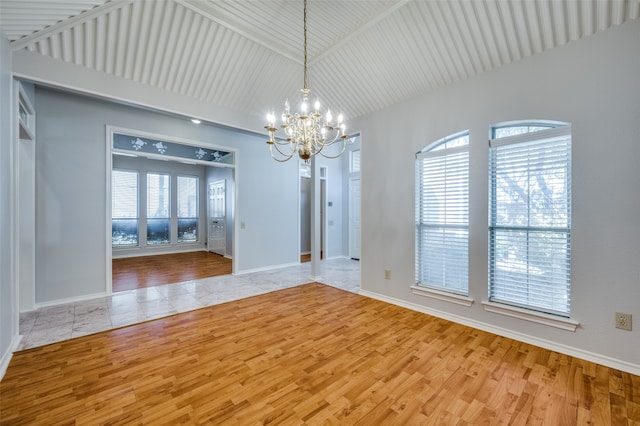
x=148 y=271
x=310 y=354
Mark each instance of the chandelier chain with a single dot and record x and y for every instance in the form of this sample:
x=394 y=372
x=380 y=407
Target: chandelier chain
x=307 y=132
x=306 y=78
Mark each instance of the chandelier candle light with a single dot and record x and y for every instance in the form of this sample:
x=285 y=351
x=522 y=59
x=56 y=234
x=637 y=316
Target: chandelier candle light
x=306 y=132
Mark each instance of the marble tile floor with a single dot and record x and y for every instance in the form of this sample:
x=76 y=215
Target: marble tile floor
x=61 y=322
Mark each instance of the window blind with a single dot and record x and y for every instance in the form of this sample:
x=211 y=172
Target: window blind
x=530 y=220
x=187 y=197
x=158 y=209
x=158 y=195
x=124 y=194
x=187 y=209
x=124 y=208
x=442 y=217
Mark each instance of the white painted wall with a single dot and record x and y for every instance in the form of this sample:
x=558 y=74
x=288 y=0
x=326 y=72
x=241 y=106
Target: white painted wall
x=592 y=83
x=8 y=301
x=71 y=192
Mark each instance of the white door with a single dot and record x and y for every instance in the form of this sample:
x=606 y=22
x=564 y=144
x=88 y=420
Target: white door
x=216 y=215
x=354 y=218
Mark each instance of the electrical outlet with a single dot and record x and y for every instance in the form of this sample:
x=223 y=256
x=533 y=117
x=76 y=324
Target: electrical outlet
x=623 y=321
x=387 y=274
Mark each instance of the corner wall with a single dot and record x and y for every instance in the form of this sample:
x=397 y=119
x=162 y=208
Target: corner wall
x=8 y=301
x=593 y=84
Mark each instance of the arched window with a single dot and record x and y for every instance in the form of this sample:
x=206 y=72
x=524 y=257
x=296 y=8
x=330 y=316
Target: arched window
x=442 y=214
x=530 y=216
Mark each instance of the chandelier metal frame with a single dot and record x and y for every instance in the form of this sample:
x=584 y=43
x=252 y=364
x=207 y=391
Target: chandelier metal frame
x=306 y=133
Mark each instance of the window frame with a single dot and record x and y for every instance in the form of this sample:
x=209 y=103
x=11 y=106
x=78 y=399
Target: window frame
x=457 y=152
x=554 y=131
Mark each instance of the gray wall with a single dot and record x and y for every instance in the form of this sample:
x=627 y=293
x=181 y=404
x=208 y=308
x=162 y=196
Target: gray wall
x=8 y=306
x=592 y=83
x=71 y=246
x=174 y=168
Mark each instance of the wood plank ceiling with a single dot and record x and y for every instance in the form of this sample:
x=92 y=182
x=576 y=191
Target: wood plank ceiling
x=246 y=55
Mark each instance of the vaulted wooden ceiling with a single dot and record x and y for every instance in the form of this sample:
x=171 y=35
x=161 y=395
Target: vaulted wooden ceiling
x=247 y=55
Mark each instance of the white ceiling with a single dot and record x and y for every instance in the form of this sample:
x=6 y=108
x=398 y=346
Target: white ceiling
x=247 y=55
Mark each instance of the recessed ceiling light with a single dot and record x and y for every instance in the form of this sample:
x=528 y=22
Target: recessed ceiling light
x=195 y=121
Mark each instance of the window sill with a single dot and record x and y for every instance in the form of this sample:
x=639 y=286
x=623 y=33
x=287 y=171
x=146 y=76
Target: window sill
x=537 y=317
x=442 y=295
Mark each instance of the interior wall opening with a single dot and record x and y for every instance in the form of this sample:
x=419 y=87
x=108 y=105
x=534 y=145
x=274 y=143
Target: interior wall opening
x=172 y=220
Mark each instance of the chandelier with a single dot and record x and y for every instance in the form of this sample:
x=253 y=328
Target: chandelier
x=306 y=132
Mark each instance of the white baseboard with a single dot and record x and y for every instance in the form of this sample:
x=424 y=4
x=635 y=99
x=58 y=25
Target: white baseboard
x=546 y=344
x=338 y=257
x=153 y=251
x=70 y=300
x=266 y=268
x=6 y=357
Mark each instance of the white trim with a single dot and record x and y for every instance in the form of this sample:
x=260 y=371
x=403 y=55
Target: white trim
x=108 y=286
x=131 y=251
x=164 y=157
x=533 y=316
x=443 y=152
x=13 y=216
x=235 y=247
x=71 y=300
x=521 y=337
x=442 y=295
x=6 y=357
x=554 y=132
x=340 y=256
x=265 y=268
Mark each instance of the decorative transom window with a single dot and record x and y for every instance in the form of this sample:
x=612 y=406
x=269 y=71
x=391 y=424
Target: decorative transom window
x=530 y=216
x=442 y=214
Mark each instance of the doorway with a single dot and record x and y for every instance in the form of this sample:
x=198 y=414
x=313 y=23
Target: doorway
x=305 y=213
x=185 y=206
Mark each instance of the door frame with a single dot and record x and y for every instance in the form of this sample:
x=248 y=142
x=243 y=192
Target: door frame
x=349 y=217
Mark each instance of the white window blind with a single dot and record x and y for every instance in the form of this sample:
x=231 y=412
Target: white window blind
x=124 y=208
x=530 y=220
x=158 y=208
x=354 y=166
x=187 y=209
x=442 y=215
